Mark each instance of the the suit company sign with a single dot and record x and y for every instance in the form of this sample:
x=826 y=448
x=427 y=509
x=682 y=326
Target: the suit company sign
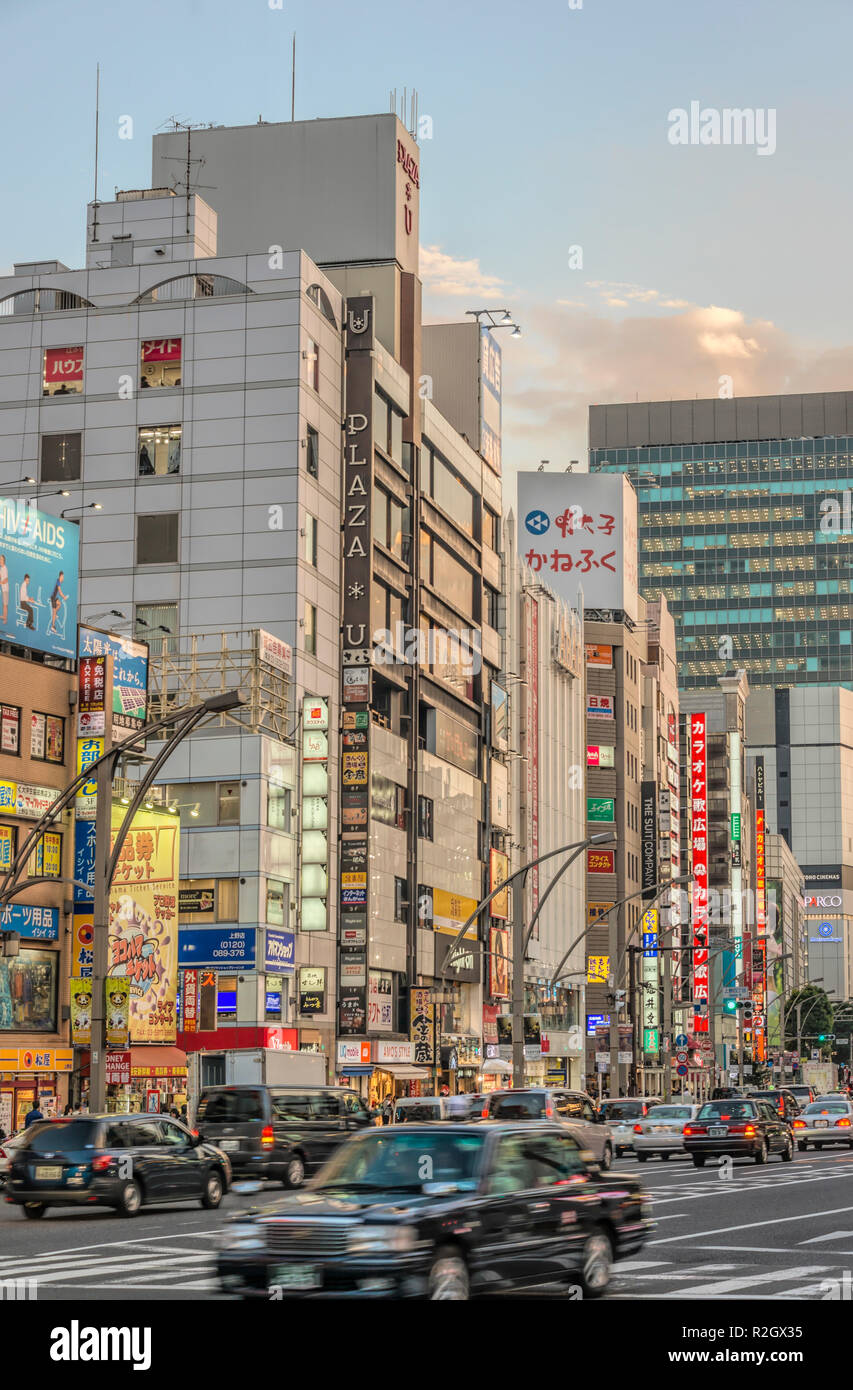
x=356 y=661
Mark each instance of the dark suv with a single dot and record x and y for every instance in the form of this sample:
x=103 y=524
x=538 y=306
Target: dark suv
x=279 y=1132
x=785 y=1101
x=121 y=1161
x=740 y=1128
x=572 y=1108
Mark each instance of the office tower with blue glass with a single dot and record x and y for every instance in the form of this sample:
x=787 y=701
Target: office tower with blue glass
x=744 y=528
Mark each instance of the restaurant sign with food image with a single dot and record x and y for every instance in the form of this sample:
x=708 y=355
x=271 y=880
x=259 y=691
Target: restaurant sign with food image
x=144 y=923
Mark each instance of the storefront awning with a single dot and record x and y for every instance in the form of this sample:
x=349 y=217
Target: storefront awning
x=496 y=1066
x=403 y=1073
x=356 y=1070
x=157 y=1061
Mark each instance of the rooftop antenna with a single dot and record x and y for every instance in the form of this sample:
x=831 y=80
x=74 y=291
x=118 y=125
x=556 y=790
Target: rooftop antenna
x=293 y=80
x=97 y=124
x=189 y=127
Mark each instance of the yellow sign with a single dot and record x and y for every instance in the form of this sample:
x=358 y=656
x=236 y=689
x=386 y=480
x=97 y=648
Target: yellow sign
x=144 y=923
x=8 y=797
x=595 y=910
x=597 y=970
x=117 y=1006
x=450 y=910
x=46 y=858
x=354 y=880
x=354 y=770
x=5 y=846
x=36 y=1059
x=88 y=751
x=81 y=1012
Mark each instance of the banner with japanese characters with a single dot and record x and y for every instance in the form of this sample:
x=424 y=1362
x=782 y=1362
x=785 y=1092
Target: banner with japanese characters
x=699 y=823
x=144 y=922
x=579 y=530
x=117 y=1005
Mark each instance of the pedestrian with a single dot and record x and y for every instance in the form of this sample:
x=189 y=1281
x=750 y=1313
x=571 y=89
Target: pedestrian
x=67 y=1111
x=33 y=1115
x=173 y=1111
x=445 y=1091
x=184 y=1116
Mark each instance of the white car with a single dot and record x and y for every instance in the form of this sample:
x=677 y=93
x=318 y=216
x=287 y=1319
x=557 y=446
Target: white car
x=621 y=1115
x=7 y=1150
x=662 y=1131
x=828 y=1120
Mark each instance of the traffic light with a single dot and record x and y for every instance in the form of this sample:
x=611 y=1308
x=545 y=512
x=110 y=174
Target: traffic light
x=821 y=1037
x=730 y=1006
x=748 y=1011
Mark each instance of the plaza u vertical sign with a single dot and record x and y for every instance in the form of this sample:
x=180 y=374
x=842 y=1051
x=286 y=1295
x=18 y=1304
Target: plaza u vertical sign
x=759 y=941
x=356 y=660
x=699 y=808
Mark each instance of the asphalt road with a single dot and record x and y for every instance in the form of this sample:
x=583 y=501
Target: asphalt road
x=783 y=1231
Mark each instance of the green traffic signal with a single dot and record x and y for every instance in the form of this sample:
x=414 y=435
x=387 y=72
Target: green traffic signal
x=730 y=1006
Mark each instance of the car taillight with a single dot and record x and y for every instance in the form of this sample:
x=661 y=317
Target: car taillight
x=843 y=1124
x=484 y=1114
x=549 y=1111
x=749 y=1130
x=799 y=1124
x=101 y=1163
x=693 y=1129
x=638 y=1129
x=267 y=1137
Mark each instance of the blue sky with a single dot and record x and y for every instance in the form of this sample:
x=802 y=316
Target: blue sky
x=550 y=130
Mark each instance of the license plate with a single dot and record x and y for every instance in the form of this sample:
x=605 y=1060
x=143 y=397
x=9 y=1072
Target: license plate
x=48 y=1173
x=717 y=1131
x=229 y=1144
x=660 y=1129
x=821 y=1124
x=297 y=1276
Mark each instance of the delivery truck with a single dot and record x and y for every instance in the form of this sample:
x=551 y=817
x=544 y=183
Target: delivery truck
x=268 y=1066
x=823 y=1076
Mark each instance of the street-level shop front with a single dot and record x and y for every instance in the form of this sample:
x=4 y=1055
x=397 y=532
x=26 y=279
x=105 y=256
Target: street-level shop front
x=381 y=1070
x=29 y=1074
x=150 y=1079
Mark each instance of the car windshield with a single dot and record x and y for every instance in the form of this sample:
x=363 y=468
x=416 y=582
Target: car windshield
x=418 y=1110
x=671 y=1112
x=395 y=1159
x=728 y=1110
x=60 y=1136
x=615 y=1110
x=529 y=1106
x=829 y=1107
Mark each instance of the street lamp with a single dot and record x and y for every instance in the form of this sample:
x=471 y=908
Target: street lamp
x=90 y=507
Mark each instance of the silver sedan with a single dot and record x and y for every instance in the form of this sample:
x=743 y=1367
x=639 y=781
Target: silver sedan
x=828 y=1120
x=662 y=1131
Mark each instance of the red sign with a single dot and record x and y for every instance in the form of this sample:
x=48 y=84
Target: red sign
x=92 y=679
x=118 y=1068
x=190 y=1001
x=601 y=861
x=532 y=665
x=161 y=350
x=699 y=808
x=63 y=364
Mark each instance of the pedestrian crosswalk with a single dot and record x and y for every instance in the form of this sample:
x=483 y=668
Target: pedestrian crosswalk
x=147 y=1265
x=667 y=1279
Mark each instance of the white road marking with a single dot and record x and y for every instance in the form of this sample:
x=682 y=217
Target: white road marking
x=751 y=1225
x=747 y=1281
x=86 y=1268
x=833 y=1235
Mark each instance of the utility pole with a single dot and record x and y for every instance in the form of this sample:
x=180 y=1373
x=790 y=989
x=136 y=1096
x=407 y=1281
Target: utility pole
x=101 y=931
x=518 y=981
x=612 y=951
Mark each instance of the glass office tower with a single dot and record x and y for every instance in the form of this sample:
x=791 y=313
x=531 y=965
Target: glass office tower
x=733 y=533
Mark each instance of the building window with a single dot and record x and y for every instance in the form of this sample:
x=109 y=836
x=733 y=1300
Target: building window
x=159 y=451
x=157 y=539
x=401 y=900
x=10 y=729
x=312 y=364
x=491 y=529
x=47 y=738
x=61 y=458
x=276 y=902
x=311 y=540
x=451 y=580
x=226 y=998
x=452 y=495
x=400 y=807
x=156 y=621
x=278 y=806
x=425 y=810
x=31 y=978
x=311 y=629
x=63 y=371
x=229 y=803
x=387 y=428
x=492 y=605
x=160 y=363
x=313 y=453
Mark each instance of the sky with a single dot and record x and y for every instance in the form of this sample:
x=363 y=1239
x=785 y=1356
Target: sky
x=637 y=267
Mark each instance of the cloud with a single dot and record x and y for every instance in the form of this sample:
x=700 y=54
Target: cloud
x=445 y=275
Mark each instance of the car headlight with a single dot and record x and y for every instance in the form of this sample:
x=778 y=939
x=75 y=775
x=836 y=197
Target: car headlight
x=242 y=1236
x=375 y=1240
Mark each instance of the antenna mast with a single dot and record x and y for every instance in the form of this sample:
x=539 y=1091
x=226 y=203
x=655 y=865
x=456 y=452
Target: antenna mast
x=97 y=124
x=293 y=80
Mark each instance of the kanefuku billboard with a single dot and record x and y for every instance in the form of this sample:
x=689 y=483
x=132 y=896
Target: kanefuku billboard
x=579 y=530
x=39 y=557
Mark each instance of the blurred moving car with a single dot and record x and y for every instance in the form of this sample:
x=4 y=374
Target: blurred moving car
x=662 y=1131
x=441 y=1212
x=279 y=1132
x=8 y=1147
x=804 y=1094
x=828 y=1120
x=120 y=1161
x=740 y=1129
x=621 y=1115
x=572 y=1108
x=783 y=1099
x=417 y=1109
